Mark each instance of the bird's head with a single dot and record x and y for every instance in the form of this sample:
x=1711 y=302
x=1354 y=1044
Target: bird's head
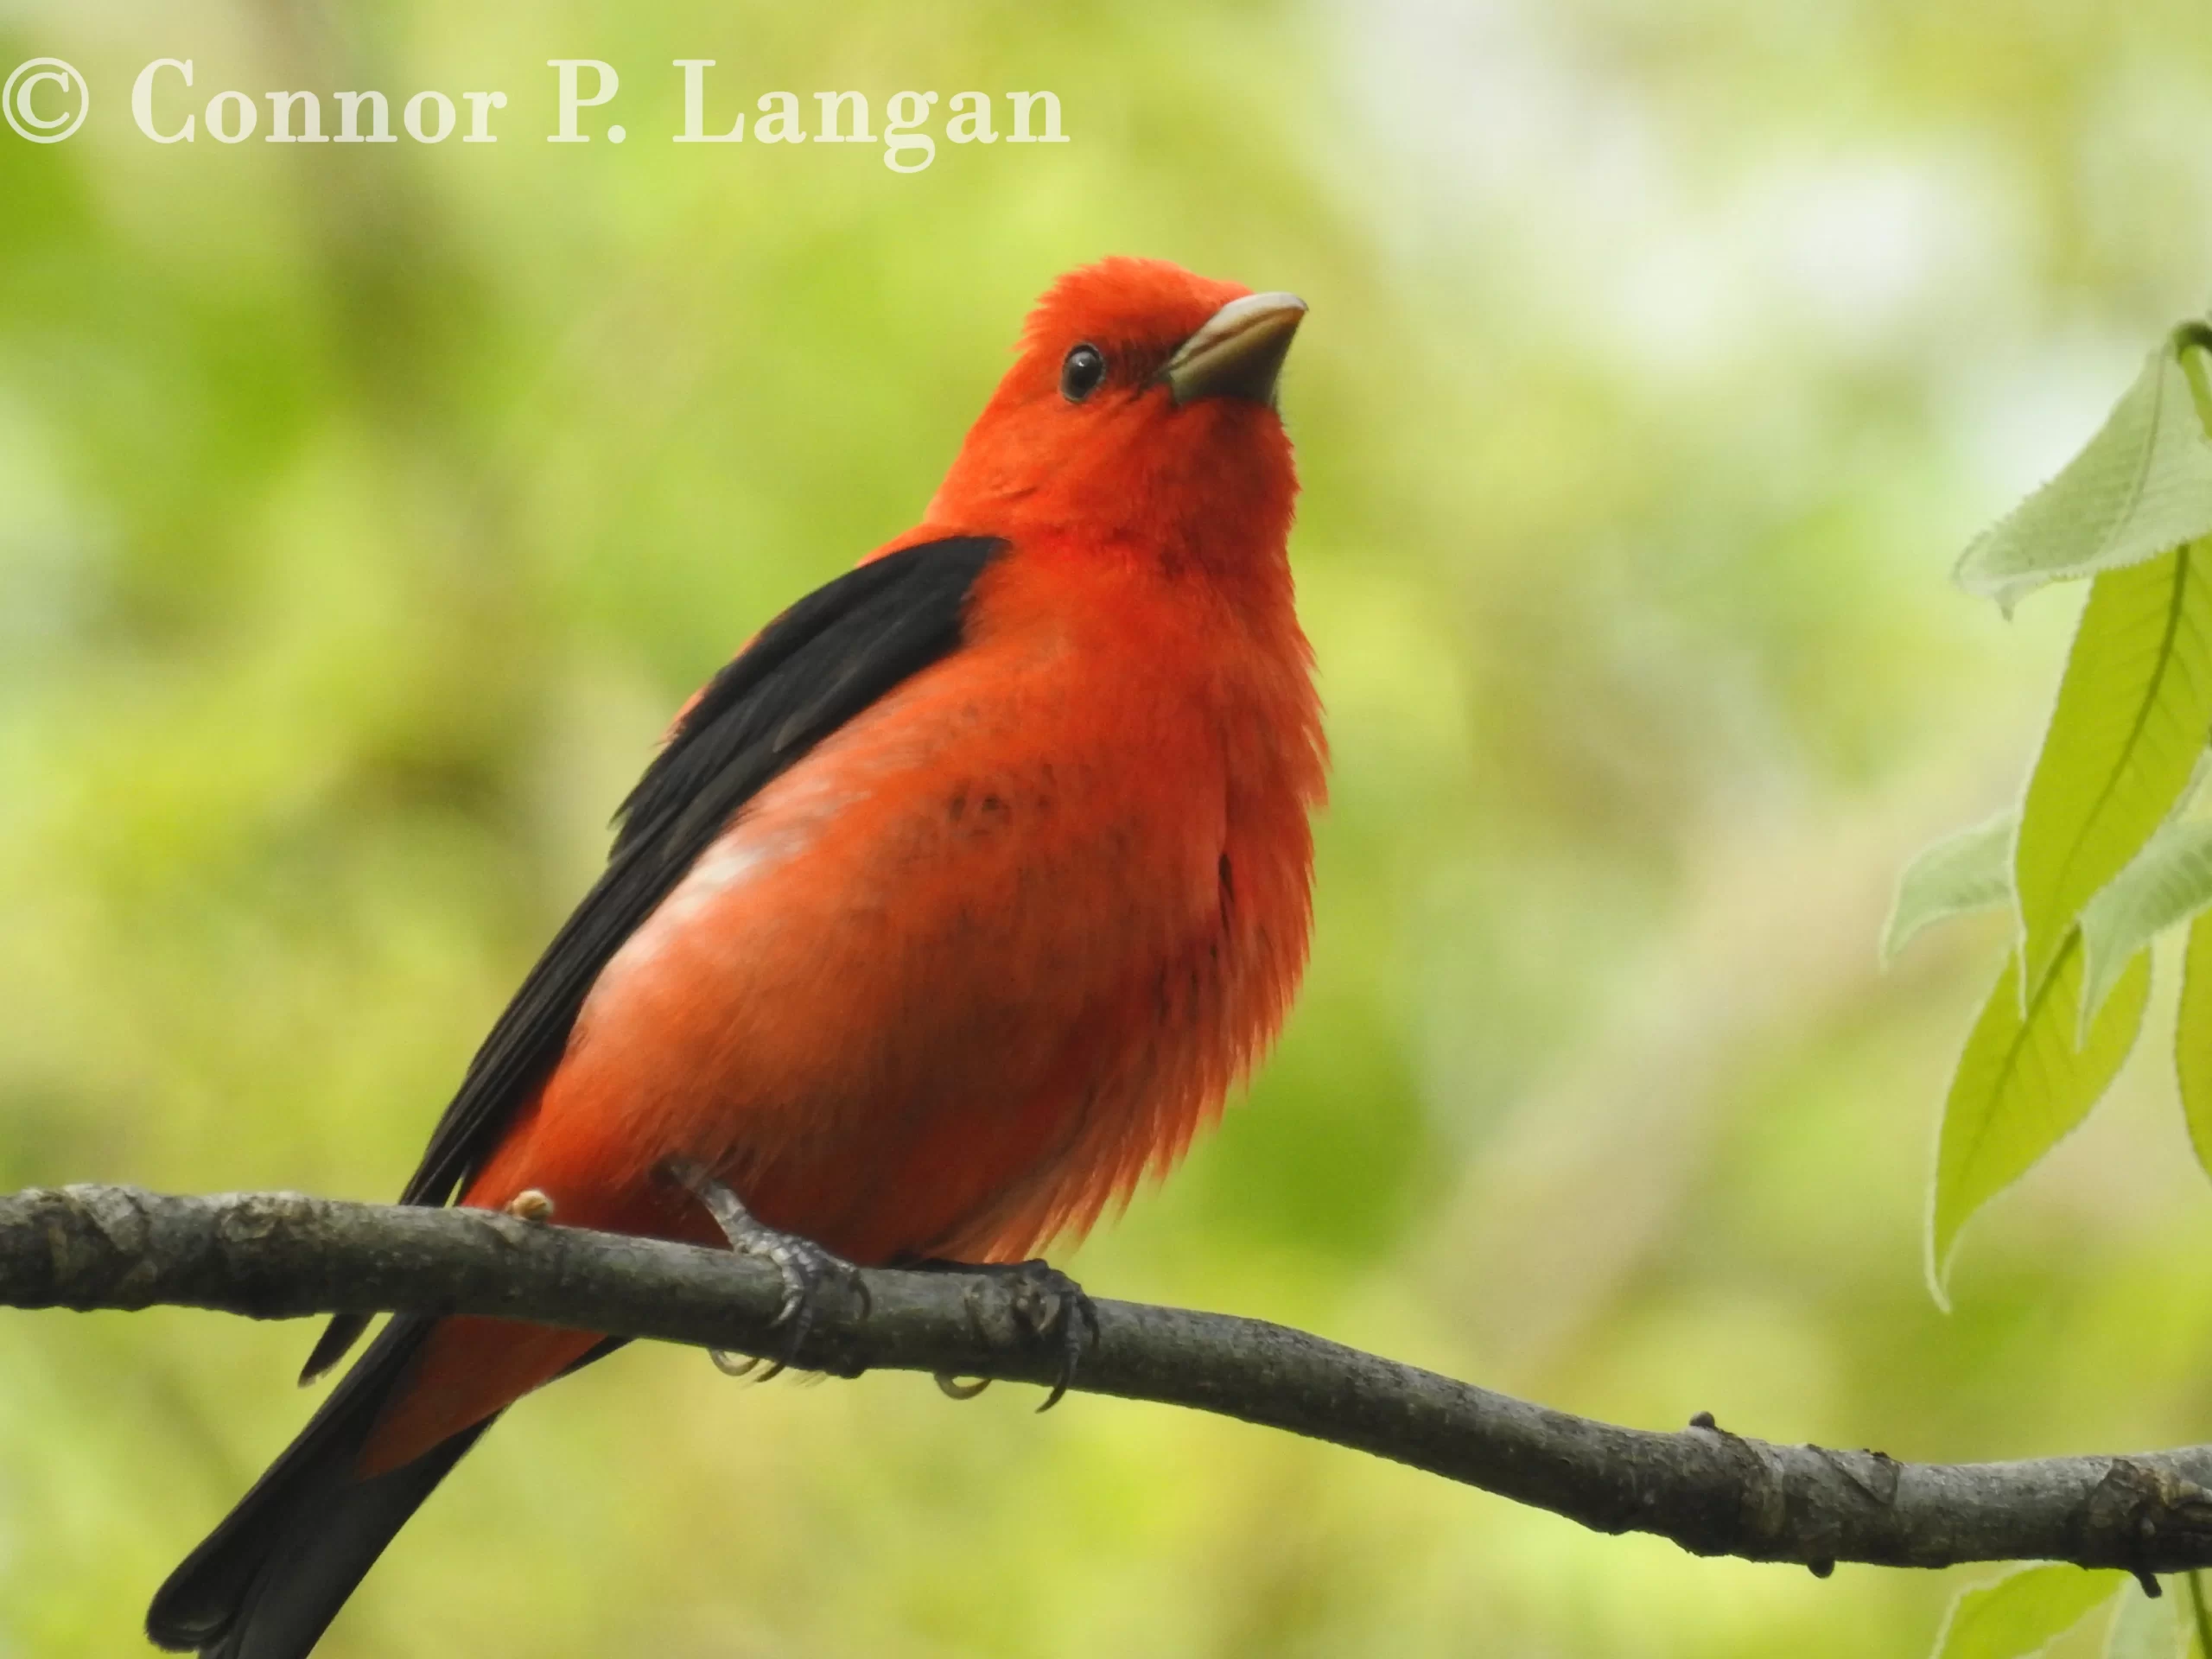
x=1140 y=413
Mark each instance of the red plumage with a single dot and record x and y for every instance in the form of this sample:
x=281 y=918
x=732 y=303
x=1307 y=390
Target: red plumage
x=993 y=946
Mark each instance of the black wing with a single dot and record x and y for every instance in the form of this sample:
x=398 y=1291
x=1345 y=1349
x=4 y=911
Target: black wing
x=808 y=672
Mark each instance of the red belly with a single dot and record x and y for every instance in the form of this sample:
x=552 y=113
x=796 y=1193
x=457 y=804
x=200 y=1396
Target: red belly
x=931 y=996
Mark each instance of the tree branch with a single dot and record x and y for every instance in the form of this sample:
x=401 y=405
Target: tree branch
x=282 y=1256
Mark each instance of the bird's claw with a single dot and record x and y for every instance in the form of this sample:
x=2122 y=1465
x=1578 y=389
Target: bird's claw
x=804 y=1266
x=1048 y=1303
x=1047 y=1307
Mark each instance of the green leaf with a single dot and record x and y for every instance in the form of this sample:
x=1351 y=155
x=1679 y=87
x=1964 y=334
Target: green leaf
x=2022 y=1086
x=2141 y=487
x=2132 y=715
x=2193 y=1040
x=2144 y=1629
x=2024 y=1613
x=1969 y=871
x=2168 y=882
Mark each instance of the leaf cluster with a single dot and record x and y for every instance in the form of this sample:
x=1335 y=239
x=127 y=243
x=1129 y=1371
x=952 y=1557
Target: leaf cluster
x=2111 y=845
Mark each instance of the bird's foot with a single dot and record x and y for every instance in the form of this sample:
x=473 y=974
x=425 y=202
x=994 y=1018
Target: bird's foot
x=1048 y=1307
x=805 y=1267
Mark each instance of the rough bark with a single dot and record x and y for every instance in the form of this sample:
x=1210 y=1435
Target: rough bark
x=283 y=1255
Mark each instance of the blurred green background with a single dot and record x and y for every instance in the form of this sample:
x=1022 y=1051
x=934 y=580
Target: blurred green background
x=364 y=511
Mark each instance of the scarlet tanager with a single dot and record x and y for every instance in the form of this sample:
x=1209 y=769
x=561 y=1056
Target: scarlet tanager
x=951 y=907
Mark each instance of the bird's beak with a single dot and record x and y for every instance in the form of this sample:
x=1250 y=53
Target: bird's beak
x=1238 y=352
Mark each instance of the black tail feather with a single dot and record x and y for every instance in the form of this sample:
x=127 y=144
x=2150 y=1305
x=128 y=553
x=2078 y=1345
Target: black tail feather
x=342 y=1333
x=272 y=1576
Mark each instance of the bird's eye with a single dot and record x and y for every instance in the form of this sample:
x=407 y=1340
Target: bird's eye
x=1082 y=373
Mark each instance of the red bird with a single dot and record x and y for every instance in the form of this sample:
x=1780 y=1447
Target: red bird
x=951 y=907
